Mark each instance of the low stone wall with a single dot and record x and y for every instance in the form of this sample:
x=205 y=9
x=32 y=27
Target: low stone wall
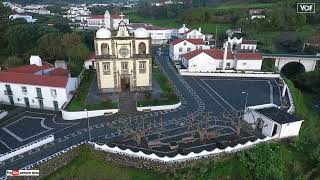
x=27 y=147
x=74 y=115
x=251 y=74
x=179 y=157
x=3 y=114
x=158 y=108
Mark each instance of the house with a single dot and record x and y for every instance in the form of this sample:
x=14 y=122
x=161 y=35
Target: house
x=313 y=41
x=211 y=60
x=257 y=13
x=179 y=46
x=37 y=85
x=90 y=63
x=158 y=35
x=193 y=34
x=234 y=32
x=109 y=21
x=26 y=17
x=248 y=45
x=272 y=121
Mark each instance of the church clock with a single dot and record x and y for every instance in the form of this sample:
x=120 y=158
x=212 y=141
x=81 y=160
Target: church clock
x=123 y=51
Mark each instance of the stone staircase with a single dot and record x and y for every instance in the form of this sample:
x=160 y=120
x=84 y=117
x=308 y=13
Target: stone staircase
x=127 y=103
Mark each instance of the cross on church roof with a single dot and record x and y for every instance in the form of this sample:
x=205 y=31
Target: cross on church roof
x=121 y=15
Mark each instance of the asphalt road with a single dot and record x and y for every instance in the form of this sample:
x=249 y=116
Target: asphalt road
x=197 y=94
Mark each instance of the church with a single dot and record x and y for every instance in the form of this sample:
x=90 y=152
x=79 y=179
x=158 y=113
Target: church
x=123 y=59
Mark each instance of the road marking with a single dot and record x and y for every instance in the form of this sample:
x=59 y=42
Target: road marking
x=5 y=144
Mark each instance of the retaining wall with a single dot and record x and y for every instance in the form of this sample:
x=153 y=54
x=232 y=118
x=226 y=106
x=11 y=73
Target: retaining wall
x=73 y=115
x=184 y=72
x=3 y=114
x=27 y=147
x=179 y=157
x=158 y=108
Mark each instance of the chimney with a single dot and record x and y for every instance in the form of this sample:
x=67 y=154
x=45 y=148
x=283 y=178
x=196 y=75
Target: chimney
x=35 y=60
x=199 y=29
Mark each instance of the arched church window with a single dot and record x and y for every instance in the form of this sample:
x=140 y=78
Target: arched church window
x=142 y=48
x=104 y=49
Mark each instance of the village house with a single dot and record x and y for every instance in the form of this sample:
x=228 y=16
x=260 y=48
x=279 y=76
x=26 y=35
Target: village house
x=211 y=60
x=179 y=46
x=37 y=85
x=109 y=21
x=158 y=35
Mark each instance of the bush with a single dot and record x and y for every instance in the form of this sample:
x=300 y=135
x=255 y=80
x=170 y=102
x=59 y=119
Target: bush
x=265 y=161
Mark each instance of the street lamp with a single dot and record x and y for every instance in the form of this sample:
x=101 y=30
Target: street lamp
x=88 y=124
x=245 y=104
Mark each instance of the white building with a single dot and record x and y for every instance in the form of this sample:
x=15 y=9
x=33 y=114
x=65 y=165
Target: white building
x=211 y=60
x=158 y=35
x=38 y=85
x=26 y=17
x=106 y=20
x=272 y=121
x=90 y=63
x=178 y=47
x=248 y=45
x=257 y=13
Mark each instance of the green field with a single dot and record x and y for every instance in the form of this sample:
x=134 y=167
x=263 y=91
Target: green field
x=91 y=166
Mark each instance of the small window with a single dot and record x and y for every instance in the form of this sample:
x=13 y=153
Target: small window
x=142 y=67
x=53 y=93
x=24 y=89
x=124 y=66
x=106 y=68
x=244 y=63
x=185 y=43
x=200 y=47
x=180 y=49
x=188 y=49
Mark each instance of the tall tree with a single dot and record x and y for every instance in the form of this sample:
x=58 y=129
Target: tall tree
x=50 y=48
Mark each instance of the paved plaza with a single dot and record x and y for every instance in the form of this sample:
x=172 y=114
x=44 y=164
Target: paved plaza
x=205 y=120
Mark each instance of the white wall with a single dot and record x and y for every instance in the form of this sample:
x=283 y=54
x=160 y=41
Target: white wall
x=202 y=63
x=290 y=129
x=174 y=51
x=185 y=72
x=249 y=64
x=27 y=147
x=158 y=108
x=308 y=64
x=74 y=115
x=248 y=46
x=48 y=99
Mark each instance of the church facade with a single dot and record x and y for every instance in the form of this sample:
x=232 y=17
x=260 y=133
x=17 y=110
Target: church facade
x=123 y=60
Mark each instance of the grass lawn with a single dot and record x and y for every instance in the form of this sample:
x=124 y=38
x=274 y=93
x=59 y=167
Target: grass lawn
x=90 y=166
x=169 y=95
x=78 y=101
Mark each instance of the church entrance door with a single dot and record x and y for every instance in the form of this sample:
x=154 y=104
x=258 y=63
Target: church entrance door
x=125 y=84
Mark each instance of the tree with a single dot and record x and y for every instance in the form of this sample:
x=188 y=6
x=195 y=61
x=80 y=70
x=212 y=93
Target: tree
x=50 y=48
x=70 y=40
x=4 y=13
x=13 y=61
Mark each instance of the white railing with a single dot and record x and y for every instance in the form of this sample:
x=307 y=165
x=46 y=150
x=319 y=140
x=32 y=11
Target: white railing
x=27 y=147
x=179 y=157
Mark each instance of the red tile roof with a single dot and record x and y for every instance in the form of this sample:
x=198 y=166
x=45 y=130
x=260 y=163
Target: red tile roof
x=249 y=42
x=40 y=80
x=59 y=72
x=30 y=68
x=192 y=41
x=187 y=31
x=249 y=56
x=91 y=56
x=214 y=53
x=113 y=16
x=146 y=26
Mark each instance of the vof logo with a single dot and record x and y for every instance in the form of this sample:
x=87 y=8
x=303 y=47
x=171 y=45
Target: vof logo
x=306 y=7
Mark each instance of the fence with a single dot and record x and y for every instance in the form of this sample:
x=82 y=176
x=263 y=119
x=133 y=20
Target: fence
x=27 y=147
